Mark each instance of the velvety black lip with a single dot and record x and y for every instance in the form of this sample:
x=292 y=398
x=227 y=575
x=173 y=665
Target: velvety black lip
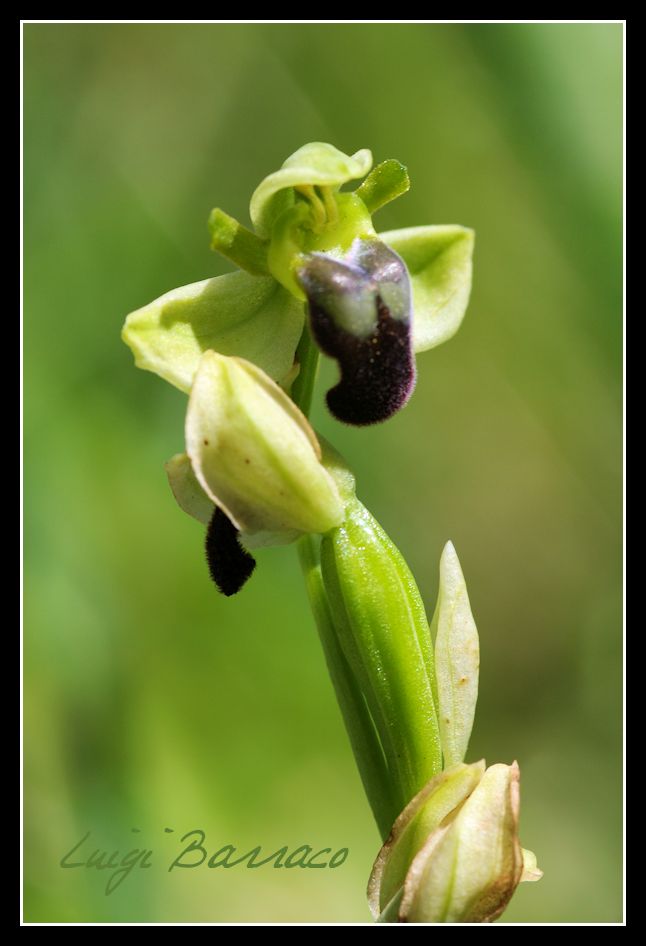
x=377 y=372
x=352 y=322
x=230 y=565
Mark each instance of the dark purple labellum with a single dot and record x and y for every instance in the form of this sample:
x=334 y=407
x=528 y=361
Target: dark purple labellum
x=360 y=314
x=229 y=563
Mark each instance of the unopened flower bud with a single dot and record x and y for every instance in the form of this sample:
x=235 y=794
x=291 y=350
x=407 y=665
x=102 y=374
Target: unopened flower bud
x=470 y=865
x=256 y=458
x=383 y=631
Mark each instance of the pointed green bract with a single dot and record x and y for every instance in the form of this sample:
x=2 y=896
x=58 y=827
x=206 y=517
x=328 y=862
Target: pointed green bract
x=237 y=314
x=457 y=658
x=317 y=164
x=254 y=453
x=439 y=260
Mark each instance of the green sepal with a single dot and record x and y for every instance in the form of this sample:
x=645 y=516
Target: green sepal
x=439 y=260
x=186 y=489
x=237 y=314
x=317 y=164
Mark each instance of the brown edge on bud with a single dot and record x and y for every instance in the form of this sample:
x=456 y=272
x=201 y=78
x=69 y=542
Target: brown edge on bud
x=401 y=823
x=495 y=899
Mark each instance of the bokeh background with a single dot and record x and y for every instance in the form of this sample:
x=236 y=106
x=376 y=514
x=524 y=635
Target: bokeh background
x=150 y=702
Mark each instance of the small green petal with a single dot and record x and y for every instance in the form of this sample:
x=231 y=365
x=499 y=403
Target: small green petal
x=237 y=314
x=187 y=491
x=423 y=814
x=457 y=658
x=255 y=454
x=315 y=163
x=385 y=182
x=531 y=871
x=237 y=244
x=439 y=263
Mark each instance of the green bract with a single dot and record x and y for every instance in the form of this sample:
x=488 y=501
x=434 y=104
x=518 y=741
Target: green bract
x=457 y=658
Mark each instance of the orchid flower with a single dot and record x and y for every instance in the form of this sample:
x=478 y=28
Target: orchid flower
x=372 y=300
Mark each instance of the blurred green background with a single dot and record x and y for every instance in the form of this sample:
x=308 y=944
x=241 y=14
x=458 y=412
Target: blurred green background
x=150 y=701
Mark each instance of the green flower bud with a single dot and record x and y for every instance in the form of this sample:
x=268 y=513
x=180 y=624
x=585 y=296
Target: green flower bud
x=421 y=816
x=384 y=634
x=471 y=864
x=254 y=453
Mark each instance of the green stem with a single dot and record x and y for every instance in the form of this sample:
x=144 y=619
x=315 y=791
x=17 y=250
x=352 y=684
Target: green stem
x=359 y=725
x=307 y=356
x=361 y=731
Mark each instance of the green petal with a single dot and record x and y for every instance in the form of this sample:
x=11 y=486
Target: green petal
x=187 y=491
x=421 y=816
x=315 y=163
x=386 y=182
x=237 y=314
x=439 y=263
x=255 y=454
x=457 y=658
